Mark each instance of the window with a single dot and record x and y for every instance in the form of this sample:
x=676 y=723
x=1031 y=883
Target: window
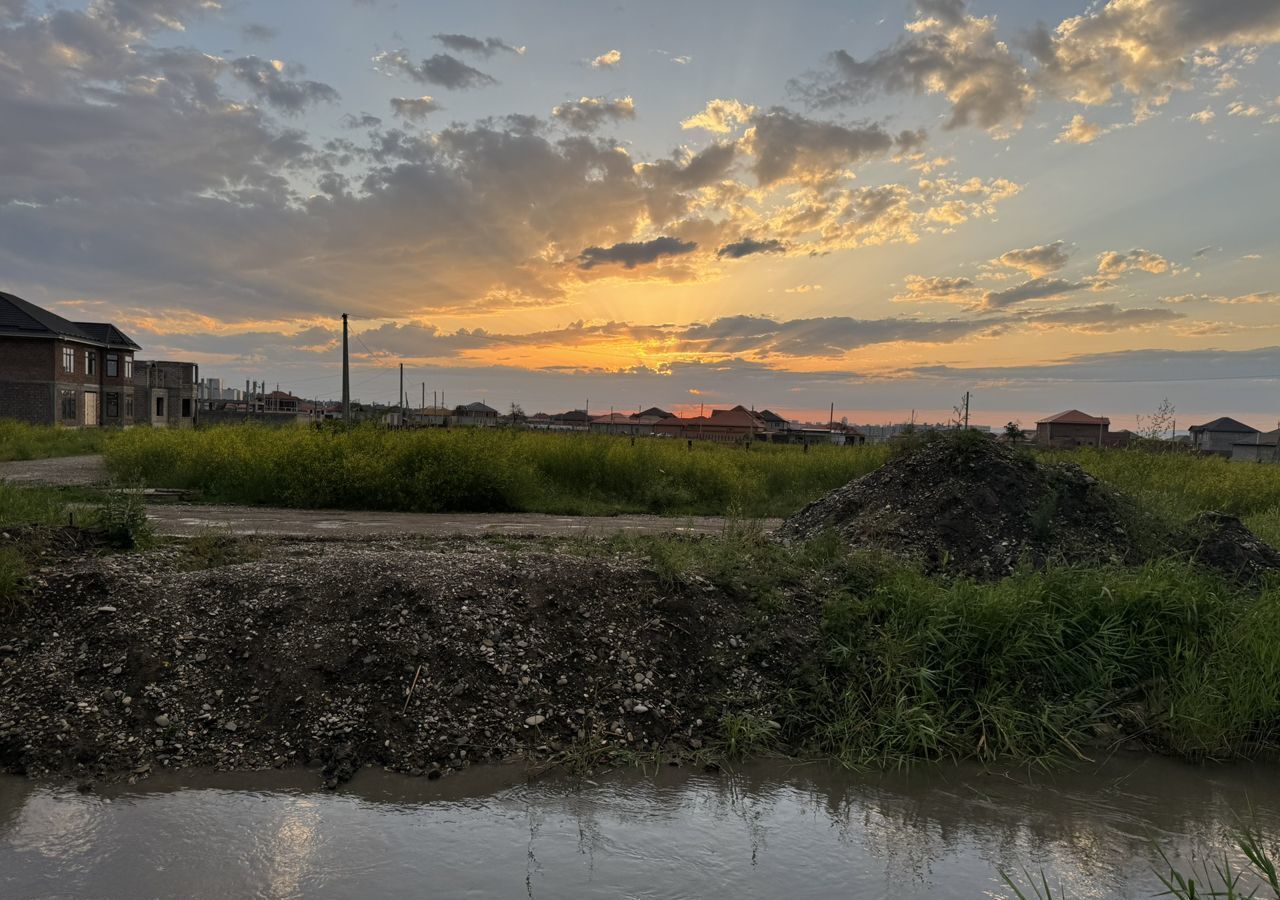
x=68 y=405
x=159 y=407
x=68 y=359
x=186 y=408
x=91 y=362
x=113 y=405
x=113 y=365
x=128 y=406
x=128 y=367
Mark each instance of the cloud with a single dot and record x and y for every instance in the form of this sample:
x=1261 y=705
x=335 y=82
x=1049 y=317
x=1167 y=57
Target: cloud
x=607 y=60
x=720 y=116
x=938 y=289
x=1102 y=318
x=1035 y=289
x=1142 y=47
x=788 y=146
x=945 y=51
x=1204 y=251
x=1244 y=110
x=255 y=31
x=634 y=253
x=1080 y=131
x=804 y=289
x=363 y=120
x=267 y=80
x=1039 y=260
x=442 y=70
x=1113 y=262
x=1204 y=117
x=589 y=113
x=414 y=107
x=748 y=247
x=486 y=47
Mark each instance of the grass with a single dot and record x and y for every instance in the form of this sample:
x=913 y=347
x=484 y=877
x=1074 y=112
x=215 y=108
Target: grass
x=21 y=441
x=1059 y=663
x=483 y=470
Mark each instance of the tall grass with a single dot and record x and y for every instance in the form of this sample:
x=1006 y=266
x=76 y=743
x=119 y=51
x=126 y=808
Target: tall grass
x=484 y=470
x=19 y=440
x=1179 y=485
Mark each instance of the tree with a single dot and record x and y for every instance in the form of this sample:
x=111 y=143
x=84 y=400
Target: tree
x=1155 y=426
x=517 y=411
x=1013 y=432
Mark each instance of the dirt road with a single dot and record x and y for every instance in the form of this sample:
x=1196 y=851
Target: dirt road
x=186 y=519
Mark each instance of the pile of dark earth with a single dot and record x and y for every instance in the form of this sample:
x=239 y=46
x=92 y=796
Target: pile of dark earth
x=414 y=657
x=968 y=505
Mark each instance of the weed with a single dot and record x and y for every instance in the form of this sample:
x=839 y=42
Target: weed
x=744 y=734
x=19 y=440
x=121 y=518
x=13 y=576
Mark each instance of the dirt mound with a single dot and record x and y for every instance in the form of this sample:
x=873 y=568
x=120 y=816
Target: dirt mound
x=964 y=504
x=1222 y=542
x=344 y=655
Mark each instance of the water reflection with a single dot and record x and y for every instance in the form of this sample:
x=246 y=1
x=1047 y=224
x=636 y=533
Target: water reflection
x=763 y=831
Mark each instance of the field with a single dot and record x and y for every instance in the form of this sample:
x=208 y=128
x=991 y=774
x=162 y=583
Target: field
x=21 y=441
x=483 y=470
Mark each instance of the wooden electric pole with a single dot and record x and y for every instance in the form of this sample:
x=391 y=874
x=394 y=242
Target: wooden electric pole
x=346 y=374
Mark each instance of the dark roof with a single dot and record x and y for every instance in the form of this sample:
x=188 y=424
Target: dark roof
x=1227 y=424
x=106 y=333
x=653 y=411
x=478 y=408
x=20 y=317
x=770 y=416
x=1075 y=417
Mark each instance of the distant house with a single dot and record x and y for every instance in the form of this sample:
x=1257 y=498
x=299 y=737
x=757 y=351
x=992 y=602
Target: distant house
x=724 y=425
x=773 y=422
x=1220 y=435
x=617 y=423
x=1261 y=447
x=165 y=393
x=283 y=401
x=431 y=416
x=1073 y=428
x=474 y=415
x=57 y=372
x=573 y=420
x=656 y=413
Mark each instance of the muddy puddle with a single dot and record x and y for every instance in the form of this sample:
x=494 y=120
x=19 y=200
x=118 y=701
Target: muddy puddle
x=765 y=830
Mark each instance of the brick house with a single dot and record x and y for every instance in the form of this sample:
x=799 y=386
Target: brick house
x=165 y=393
x=1073 y=429
x=735 y=425
x=57 y=372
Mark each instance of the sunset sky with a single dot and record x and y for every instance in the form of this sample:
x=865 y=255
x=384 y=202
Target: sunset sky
x=878 y=205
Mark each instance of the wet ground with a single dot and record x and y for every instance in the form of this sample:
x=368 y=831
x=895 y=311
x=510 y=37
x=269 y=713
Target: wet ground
x=769 y=830
x=190 y=519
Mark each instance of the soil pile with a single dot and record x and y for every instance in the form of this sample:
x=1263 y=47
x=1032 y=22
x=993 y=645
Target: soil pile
x=966 y=505
x=342 y=655
x=1222 y=542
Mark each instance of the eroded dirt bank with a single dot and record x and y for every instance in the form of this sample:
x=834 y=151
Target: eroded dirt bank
x=120 y=665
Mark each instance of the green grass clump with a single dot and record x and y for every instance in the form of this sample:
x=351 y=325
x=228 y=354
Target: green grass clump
x=19 y=440
x=484 y=470
x=32 y=505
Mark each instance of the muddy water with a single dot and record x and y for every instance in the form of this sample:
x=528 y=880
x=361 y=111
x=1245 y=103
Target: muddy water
x=766 y=830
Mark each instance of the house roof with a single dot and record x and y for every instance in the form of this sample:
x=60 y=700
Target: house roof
x=613 y=419
x=1074 y=417
x=478 y=408
x=23 y=318
x=1261 y=439
x=770 y=416
x=1226 y=424
x=653 y=412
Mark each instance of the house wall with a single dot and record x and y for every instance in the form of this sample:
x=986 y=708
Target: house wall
x=32 y=380
x=1220 y=442
x=175 y=382
x=1061 y=434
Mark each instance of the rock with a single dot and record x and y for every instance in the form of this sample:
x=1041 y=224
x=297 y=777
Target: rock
x=639 y=709
x=162 y=720
x=106 y=609
x=535 y=720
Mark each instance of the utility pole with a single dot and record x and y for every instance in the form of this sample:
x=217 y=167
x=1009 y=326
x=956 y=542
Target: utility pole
x=346 y=374
x=400 y=401
x=831 y=422
x=966 y=410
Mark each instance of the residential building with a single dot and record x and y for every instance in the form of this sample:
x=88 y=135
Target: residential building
x=165 y=392
x=1262 y=447
x=573 y=420
x=475 y=415
x=734 y=425
x=1221 y=435
x=1073 y=428
x=57 y=372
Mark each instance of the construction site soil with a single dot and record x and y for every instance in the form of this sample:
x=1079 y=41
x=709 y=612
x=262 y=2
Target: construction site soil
x=973 y=507
x=412 y=656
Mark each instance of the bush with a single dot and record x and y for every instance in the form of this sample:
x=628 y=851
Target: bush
x=19 y=440
x=121 y=519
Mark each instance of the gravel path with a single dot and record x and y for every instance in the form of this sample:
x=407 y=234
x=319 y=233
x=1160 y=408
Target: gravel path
x=191 y=519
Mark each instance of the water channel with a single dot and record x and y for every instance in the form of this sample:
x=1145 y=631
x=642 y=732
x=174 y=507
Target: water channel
x=768 y=830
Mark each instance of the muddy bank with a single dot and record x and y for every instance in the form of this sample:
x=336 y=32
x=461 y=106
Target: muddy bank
x=415 y=657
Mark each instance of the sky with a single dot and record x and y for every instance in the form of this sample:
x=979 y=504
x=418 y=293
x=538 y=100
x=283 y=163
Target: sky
x=875 y=205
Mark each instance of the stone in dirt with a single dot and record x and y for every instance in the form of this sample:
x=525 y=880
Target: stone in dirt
x=1222 y=542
